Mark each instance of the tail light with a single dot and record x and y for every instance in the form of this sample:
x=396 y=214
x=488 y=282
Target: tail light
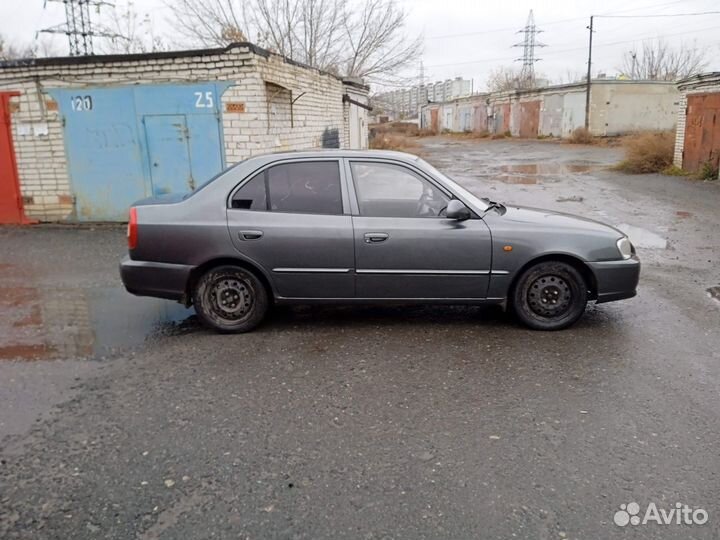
x=132 y=231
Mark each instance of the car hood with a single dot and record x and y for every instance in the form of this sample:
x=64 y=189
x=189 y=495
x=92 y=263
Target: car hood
x=542 y=218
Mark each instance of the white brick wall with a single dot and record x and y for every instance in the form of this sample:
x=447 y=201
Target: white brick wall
x=263 y=127
x=680 y=130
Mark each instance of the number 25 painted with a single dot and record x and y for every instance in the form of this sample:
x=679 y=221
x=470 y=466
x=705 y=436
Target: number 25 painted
x=204 y=100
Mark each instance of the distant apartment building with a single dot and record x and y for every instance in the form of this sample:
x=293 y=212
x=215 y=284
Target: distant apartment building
x=407 y=102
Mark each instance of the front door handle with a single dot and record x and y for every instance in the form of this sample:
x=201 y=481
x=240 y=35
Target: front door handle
x=250 y=235
x=376 y=237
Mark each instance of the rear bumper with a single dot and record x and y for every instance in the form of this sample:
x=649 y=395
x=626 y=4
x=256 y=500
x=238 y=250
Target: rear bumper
x=616 y=280
x=162 y=280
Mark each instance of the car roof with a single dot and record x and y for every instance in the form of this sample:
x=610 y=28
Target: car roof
x=338 y=153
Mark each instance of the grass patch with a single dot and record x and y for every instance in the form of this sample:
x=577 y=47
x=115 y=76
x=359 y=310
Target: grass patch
x=393 y=141
x=406 y=128
x=469 y=135
x=674 y=170
x=581 y=135
x=708 y=171
x=648 y=152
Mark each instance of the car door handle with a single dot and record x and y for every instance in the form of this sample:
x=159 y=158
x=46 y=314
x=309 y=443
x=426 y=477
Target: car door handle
x=250 y=235
x=375 y=237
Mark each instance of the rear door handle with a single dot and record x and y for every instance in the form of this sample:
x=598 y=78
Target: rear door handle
x=250 y=235
x=376 y=237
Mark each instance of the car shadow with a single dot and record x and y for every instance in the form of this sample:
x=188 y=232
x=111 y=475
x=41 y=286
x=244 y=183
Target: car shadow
x=492 y=316
x=290 y=317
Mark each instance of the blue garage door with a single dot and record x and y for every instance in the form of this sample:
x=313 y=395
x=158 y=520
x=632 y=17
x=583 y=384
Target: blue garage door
x=169 y=153
x=126 y=143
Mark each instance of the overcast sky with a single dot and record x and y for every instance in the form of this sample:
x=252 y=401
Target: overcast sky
x=469 y=38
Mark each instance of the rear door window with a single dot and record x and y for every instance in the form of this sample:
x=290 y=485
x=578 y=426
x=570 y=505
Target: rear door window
x=302 y=187
x=252 y=196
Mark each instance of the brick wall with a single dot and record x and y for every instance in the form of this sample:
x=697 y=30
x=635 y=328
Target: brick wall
x=262 y=81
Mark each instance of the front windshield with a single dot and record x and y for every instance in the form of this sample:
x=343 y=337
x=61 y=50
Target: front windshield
x=454 y=186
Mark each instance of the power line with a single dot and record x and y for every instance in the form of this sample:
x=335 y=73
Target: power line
x=549 y=23
x=557 y=51
x=659 y=15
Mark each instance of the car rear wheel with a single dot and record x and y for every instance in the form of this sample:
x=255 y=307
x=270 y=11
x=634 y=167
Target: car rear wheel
x=230 y=299
x=550 y=295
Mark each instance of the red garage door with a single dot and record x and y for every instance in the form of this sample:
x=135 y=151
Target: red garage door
x=11 y=210
x=529 y=118
x=702 y=131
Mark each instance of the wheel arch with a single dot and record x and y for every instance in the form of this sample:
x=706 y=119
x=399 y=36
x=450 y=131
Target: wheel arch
x=574 y=261
x=199 y=270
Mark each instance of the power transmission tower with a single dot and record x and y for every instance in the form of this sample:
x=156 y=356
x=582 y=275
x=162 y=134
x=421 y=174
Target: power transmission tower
x=78 y=25
x=527 y=74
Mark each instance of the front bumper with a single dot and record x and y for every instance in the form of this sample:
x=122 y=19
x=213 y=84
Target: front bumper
x=162 y=280
x=616 y=279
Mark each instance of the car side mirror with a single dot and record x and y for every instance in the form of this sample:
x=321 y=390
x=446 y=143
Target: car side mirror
x=457 y=210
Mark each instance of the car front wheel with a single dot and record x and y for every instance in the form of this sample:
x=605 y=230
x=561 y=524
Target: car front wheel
x=550 y=295
x=230 y=299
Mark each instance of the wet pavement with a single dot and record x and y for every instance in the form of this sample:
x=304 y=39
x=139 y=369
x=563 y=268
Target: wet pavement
x=122 y=417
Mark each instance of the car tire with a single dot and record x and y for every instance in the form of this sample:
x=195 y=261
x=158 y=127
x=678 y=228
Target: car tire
x=230 y=299
x=550 y=295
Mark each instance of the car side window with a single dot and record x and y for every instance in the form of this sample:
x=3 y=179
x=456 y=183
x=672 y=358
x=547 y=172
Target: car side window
x=253 y=195
x=387 y=190
x=303 y=187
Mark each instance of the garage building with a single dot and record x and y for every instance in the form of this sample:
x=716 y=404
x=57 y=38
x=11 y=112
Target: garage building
x=697 y=139
x=81 y=138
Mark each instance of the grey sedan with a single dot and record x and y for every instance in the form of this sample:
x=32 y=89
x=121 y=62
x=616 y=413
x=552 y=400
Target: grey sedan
x=366 y=227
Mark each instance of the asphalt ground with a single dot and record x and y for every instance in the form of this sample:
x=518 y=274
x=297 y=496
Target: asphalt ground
x=124 y=418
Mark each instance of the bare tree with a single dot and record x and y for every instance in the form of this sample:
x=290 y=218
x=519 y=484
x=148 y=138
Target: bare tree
x=44 y=47
x=505 y=78
x=378 y=45
x=658 y=61
x=364 y=40
x=571 y=76
x=12 y=51
x=134 y=33
x=209 y=23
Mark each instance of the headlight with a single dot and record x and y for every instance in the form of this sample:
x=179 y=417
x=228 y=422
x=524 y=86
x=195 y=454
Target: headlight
x=625 y=247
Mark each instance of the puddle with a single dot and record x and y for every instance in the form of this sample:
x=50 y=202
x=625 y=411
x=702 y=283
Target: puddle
x=518 y=179
x=539 y=173
x=81 y=323
x=643 y=238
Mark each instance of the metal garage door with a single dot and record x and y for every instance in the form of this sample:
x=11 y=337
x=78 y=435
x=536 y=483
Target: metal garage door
x=529 y=118
x=126 y=143
x=702 y=132
x=10 y=200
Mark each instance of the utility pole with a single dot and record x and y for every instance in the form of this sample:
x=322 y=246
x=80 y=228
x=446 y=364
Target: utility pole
x=528 y=44
x=78 y=25
x=589 y=74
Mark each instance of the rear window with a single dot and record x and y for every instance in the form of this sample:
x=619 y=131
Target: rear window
x=304 y=187
x=210 y=181
x=253 y=195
